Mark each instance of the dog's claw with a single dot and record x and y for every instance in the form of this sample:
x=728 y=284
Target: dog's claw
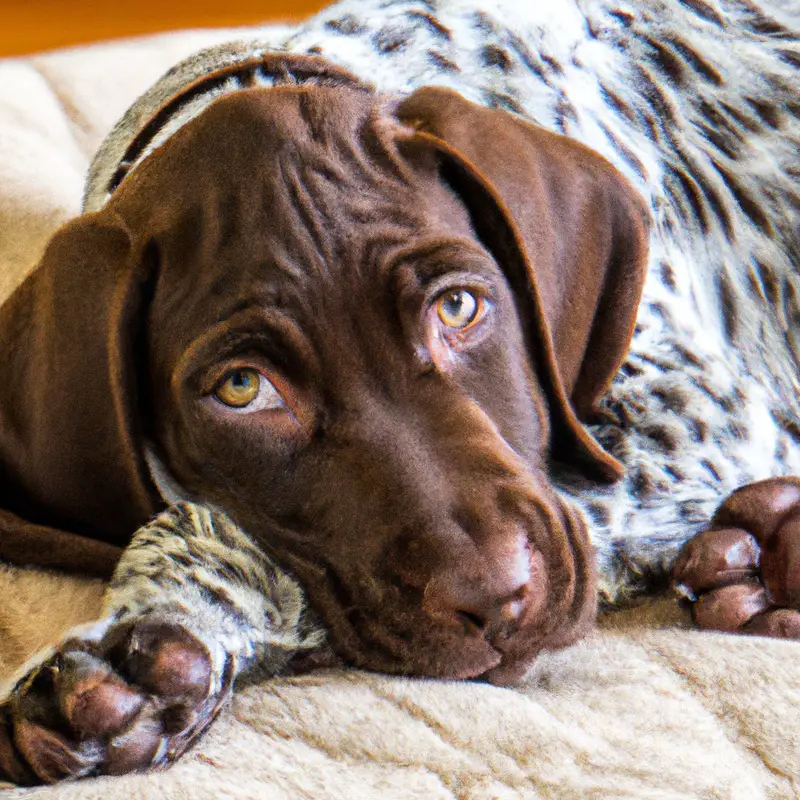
x=137 y=698
x=743 y=574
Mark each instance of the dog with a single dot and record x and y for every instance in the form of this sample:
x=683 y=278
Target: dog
x=388 y=357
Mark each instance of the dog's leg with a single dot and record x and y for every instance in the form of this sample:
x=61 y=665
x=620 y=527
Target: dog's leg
x=193 y=603
x=743 y=574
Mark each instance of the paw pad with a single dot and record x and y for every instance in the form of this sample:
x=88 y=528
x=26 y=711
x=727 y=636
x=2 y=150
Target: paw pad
x=137 y=698
x=743 y=574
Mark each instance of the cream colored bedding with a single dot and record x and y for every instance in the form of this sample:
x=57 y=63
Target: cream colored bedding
x=645 y=708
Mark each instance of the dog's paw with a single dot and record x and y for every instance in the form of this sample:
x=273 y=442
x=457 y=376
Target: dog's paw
x=136 y=698
x=743 y=574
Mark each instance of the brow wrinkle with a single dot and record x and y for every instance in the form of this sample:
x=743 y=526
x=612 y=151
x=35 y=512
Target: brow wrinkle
x=443 y=250
x=378 y=155
x=302 y=203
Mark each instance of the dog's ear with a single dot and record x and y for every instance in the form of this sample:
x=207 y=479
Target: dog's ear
x=70 y=448
x=570 y=233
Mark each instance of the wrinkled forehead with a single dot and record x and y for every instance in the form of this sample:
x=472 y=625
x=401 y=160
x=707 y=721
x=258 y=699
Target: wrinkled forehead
x=283 y=194
x=253 y=146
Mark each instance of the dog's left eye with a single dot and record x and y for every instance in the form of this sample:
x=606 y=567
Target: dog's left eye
x=247 y=389
x=459 y=309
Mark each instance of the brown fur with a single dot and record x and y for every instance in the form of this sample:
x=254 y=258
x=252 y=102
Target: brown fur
x=306 y=231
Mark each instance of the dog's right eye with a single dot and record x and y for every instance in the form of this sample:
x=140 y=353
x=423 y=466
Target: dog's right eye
x=247 y=388
x=460 y=309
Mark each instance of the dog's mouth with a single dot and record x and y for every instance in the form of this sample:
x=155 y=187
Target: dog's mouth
x=378 y=625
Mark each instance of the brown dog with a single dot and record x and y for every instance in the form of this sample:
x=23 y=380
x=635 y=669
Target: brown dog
x=430 y=294
x=362 y=327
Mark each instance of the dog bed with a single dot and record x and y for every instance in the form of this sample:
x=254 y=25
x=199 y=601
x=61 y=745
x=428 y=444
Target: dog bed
x=645 y=707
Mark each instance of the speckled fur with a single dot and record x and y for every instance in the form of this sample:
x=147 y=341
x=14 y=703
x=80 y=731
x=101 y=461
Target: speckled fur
x=696 y=103
x=192 y=567
x=193 y=570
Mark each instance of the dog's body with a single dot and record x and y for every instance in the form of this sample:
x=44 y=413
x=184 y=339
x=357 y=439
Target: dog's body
x=694 y=103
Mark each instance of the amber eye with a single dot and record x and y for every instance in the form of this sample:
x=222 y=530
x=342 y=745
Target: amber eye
x=239 y=388
x=458 y=308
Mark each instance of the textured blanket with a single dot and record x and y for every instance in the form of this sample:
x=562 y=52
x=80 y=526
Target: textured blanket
x=646 y=707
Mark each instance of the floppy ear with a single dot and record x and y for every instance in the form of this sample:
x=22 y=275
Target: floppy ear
x=570 y=233
x=70 y=451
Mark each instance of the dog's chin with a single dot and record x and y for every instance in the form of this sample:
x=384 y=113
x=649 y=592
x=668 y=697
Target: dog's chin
x=414 y=643
x=431 y=654
x=444 y=654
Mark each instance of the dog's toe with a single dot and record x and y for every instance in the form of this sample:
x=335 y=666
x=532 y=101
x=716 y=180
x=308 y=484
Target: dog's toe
x=94 y=701
x=780 y=623
x=743 y=574
x=780 y=563
x=166 y=660
x=43 y=745
x=730 y=607
x=716 y=558
x=12 y=765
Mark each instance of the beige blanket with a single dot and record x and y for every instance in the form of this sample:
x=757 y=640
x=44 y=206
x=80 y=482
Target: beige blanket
x=645 y=708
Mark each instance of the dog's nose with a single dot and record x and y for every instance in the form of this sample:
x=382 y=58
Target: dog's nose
x=494 y=600
x=493 y=618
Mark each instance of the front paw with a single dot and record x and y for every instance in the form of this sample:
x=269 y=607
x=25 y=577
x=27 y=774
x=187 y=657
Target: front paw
x=136 y=698
x=743 y=574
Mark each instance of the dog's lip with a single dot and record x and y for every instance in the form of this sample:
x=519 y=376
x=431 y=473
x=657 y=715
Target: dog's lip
x=506 y=669
x=488 y=650
x=509 y=669
x=499 y=669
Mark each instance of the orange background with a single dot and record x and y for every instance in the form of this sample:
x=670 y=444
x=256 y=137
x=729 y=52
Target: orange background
x=29 y=26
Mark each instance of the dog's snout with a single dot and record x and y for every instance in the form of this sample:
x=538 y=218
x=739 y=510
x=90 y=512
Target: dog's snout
x=491 y=594
x=492 y=617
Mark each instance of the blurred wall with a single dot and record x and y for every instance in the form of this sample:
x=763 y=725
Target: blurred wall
x=29 y=26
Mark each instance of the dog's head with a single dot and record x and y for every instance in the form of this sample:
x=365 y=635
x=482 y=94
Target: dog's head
x=363 y=327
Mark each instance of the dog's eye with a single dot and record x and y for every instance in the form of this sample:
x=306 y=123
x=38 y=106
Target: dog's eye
x=459 y=308
x=239 y=388
x=247 y=388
